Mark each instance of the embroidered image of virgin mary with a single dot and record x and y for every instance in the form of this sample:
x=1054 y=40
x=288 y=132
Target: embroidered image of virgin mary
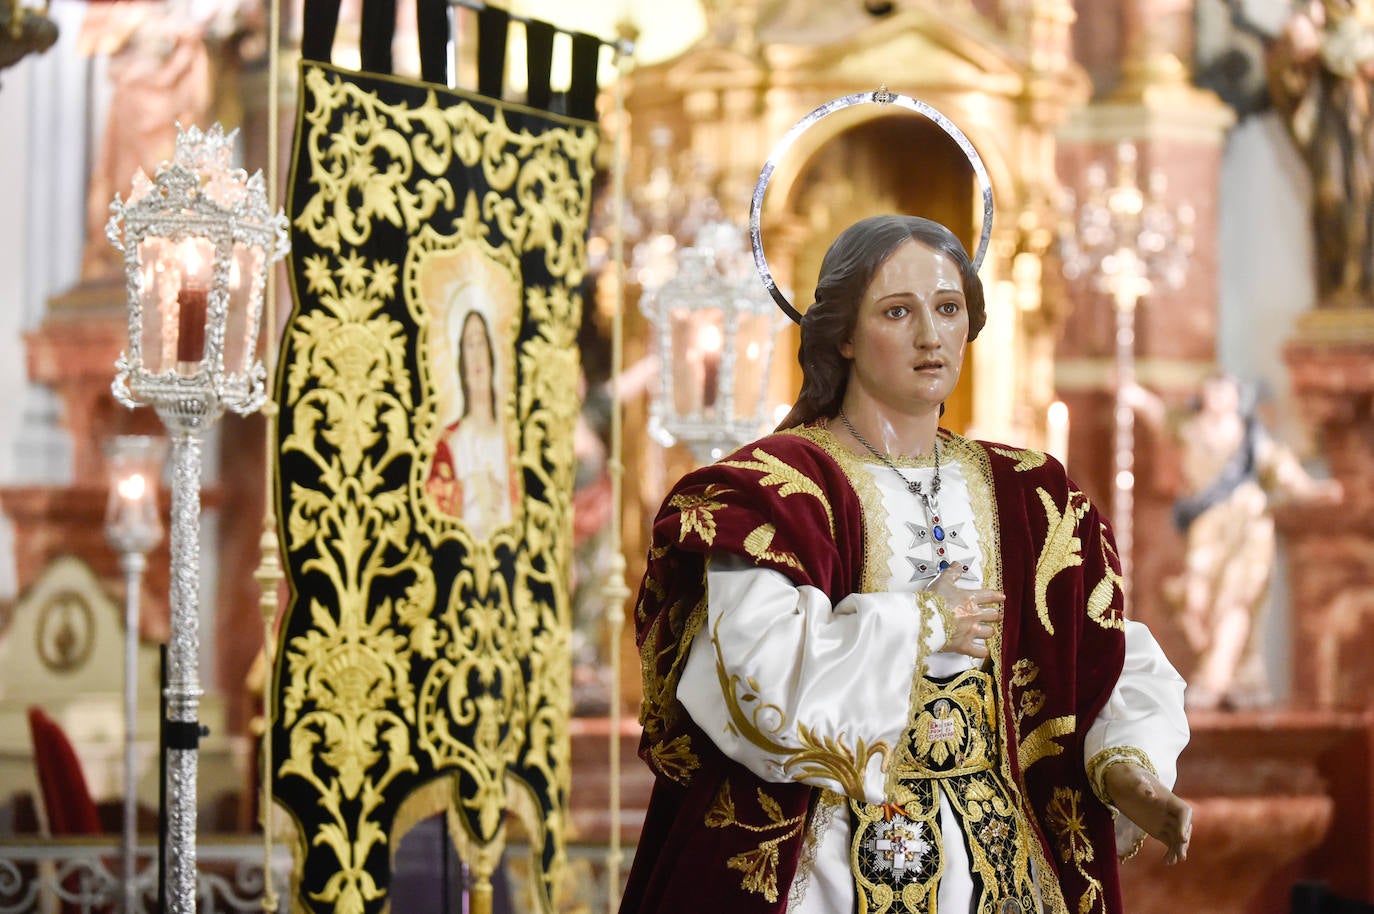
x=470 y=476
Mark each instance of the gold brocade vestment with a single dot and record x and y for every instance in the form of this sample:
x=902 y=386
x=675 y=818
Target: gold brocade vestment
x=896 y=849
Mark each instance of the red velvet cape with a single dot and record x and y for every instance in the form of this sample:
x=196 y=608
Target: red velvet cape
x=719 y=839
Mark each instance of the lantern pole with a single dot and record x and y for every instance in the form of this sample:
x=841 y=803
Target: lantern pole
x=183 y=361
x=132 y=527
x=187 y=419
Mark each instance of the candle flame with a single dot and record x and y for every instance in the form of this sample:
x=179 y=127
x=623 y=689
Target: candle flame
x=710 y=339
x=190 y=257
x=132 y=487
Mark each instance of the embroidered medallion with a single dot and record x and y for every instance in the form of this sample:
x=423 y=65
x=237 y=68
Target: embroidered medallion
x=898 y=848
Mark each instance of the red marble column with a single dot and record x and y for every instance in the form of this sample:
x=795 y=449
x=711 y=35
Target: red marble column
x=73 y=351
x=1331 y=552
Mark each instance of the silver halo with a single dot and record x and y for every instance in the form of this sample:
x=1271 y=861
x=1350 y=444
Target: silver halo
x=881 y=97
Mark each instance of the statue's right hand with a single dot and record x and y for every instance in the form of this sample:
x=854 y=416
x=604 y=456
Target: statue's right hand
x=973 y=624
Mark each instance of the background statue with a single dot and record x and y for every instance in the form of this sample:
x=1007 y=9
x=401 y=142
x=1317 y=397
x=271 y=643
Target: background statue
x=22 y=32
x=160 y=74
x=1321 y=65
x=1233 y=474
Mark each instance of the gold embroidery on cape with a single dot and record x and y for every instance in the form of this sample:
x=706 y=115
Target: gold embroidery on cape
x=1025 y=459
x=760 y=865
x=1032 y=701
x=1041 y=743
x=1024 y=672
x=759 y=540
x=989 y=532
x=1100 y=600
x=788 y=479
x=676 y=759
x=1065 y=819
x=352 y=716
x=659 y=709
x=698 y=512
x=1063 y=548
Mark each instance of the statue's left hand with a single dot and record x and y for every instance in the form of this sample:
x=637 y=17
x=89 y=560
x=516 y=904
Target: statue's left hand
x=1143 y=799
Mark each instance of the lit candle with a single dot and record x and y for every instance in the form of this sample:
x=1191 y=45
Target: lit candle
x=191 y=308
x=1057 y=431
x=192 y=299
x=131 y=517
x=709 y=342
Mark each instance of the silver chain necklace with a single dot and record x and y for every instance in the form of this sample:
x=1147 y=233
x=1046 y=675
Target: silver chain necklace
x=912 y=485
x=936 y=530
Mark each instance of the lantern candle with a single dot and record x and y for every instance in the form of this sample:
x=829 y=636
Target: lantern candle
x=191 y=307
x=710 y=341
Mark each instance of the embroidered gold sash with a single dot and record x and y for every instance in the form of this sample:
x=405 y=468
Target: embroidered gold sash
x=896 y=852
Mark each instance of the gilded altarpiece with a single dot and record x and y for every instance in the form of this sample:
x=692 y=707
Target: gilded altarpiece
x=427 y=389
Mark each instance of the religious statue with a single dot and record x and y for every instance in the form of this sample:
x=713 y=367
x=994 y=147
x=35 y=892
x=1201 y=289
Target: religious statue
x=1321 y=66
x=23 y=31
x=885 y=666
x=1233 y=473
x=160 y=76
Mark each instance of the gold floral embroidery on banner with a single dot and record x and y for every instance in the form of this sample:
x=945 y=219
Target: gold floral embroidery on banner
x=1063 y=547
x=1064 y=816
x=760 y=865
x=365 y=171
x=459 y=672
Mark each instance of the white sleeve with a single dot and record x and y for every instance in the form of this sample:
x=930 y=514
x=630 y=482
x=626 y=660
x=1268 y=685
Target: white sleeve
x=1143 y=721
x=796 y=689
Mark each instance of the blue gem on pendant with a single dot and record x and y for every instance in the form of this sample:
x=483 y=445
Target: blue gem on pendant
x=943 y=565
x=938 y=532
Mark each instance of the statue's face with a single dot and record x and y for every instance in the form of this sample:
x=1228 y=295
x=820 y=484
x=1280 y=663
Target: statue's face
x=1220 y=396
x=912 y=326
